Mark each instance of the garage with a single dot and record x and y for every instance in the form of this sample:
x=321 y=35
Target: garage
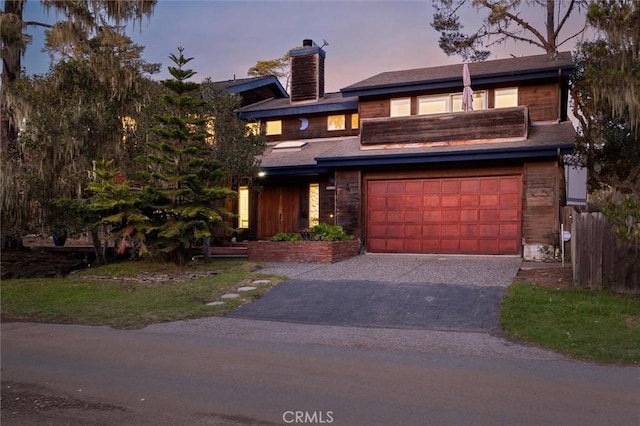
x=469 y=215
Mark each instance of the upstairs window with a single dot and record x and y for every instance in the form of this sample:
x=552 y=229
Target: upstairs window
x=400 y=107
x=355 y=121
x=479 y=101
x=336 y=122
x=274 y=127
x=253 y=129
x=434 y=104
x=504 y=98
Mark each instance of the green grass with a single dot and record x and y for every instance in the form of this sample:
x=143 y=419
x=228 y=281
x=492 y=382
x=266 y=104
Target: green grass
x=593 y=326
x=80 y=299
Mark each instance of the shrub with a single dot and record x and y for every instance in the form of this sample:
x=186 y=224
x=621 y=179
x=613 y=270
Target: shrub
x=326 y=232
x=287 y=236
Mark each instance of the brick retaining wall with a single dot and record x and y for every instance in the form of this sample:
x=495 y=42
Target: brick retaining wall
x=302 y=251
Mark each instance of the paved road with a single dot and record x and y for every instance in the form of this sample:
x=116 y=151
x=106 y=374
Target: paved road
x=396 y=291
x=163 y=375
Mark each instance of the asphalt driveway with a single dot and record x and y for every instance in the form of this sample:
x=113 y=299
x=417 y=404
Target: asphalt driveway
x=392 y=291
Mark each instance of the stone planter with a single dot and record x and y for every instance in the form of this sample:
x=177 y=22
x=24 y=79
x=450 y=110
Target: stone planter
x=302 y=251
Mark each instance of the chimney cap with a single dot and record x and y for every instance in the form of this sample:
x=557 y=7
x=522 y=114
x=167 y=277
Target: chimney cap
x=307 y=42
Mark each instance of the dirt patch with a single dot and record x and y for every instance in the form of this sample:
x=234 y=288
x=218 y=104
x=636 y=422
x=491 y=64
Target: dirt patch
x=551 y=276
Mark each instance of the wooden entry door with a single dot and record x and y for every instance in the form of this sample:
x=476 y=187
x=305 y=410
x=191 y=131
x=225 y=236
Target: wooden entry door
x=278 y=210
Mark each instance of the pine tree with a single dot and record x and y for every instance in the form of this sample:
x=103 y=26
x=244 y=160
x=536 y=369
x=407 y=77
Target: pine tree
x=182 y=176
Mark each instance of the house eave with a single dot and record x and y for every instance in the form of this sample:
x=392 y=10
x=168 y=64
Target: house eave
x=444 y=157
x=297 y=110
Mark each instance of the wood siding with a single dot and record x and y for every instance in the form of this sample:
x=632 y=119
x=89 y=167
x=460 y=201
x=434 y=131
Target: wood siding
x=307 y=77
x=540 y=204
x=373 y=109
x=348 y=201
x=543 y=101
x=317 y=128
x=505 y=123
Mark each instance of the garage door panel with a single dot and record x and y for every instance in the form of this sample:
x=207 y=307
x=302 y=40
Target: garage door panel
x=470 y=186
x=510 y=184
x=395 y=216
x=509 y=230
x=476 y=215
x=431 y=201
x=489 y=200
x=469 y=246
x=413 y=216
x=451 y=200
x=413 y=202
x=431 y=216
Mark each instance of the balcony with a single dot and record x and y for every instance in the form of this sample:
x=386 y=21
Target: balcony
x=456 y=128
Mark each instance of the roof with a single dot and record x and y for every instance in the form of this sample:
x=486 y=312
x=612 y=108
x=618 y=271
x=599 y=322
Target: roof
x=322 y=155
x=330 y=102
x=254 y=89
x=487 y=72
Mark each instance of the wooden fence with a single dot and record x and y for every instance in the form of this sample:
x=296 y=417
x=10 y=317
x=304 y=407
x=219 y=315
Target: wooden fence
x=599 y=258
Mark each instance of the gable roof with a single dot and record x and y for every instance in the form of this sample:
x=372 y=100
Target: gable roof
x=254 y=89
x=487 y=72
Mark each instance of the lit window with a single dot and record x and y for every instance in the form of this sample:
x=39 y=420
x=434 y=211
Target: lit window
x=314 y=204
x=243 y=207
x=400 y=107
x=253 y=129
x=479 y=101
x=433 y=105
x=336 y=122
x=355 y=121
x=210 y=126
x=274 y=127
x=506 y=98
x=129 y=125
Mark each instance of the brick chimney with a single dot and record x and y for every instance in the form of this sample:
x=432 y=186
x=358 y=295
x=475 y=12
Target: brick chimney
x=307 y=72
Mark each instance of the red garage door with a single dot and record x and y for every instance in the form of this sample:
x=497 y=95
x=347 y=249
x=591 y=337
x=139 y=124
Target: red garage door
x=479 y=215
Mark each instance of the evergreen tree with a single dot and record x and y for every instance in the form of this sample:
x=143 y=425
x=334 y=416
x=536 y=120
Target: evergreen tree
x=183 y=178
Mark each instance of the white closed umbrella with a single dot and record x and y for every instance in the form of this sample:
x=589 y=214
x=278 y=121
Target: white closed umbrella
x=467 y=92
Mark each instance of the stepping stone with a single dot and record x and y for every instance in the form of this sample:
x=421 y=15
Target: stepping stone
x=230 y=296
x=215 y=303
x=258 y=282
x=246 y=288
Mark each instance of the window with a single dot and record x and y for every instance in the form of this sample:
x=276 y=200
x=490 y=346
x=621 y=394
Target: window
x=400 y=107
x=449 y=103
x=243 y=207
x=336 y=122
x=504 y=98
x=314 y=204
x=253 y=129
x=355 y=121
x=274 y=127
x=479 y=101
x=433 y=104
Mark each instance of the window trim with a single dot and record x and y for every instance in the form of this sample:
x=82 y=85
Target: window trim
x=276 y=132
x=343 y=118
x=403 y=101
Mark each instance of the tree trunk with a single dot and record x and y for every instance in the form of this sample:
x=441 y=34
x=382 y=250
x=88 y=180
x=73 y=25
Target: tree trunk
x=97 y=247
x=206 y=248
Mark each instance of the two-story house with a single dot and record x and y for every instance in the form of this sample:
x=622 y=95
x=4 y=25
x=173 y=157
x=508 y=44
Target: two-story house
x=395 y=160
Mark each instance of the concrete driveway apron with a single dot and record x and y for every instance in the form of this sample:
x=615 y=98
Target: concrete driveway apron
x=392 y=291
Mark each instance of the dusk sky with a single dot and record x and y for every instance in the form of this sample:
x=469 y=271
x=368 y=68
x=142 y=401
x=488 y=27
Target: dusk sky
x=226 y=38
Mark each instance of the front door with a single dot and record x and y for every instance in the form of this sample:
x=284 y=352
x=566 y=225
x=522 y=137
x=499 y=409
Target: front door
x=278 y=210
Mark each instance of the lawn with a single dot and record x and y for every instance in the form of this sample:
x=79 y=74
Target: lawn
x=132 y=294
x=593 y=326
